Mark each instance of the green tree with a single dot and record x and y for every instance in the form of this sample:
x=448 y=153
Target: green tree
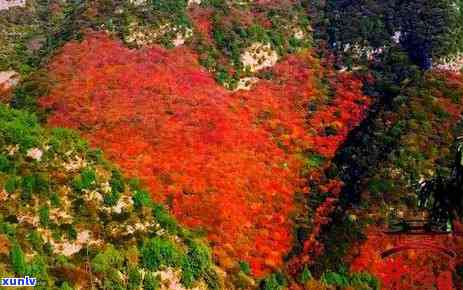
x=442 y=195
x=429 y=29
x=18 y=261
x=425 y=29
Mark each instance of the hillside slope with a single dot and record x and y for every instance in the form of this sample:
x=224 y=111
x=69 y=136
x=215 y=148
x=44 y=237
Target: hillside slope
x=283 y=134
x=228 y=163
x=70 y=219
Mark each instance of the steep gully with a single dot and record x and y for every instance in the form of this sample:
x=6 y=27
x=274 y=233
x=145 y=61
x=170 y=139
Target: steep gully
x=358 y=158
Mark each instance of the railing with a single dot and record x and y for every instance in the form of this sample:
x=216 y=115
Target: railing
x=419 y=246
x=417 y=226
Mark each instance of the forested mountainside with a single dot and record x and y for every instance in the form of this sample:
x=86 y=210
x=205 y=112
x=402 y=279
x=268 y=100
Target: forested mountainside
x=69 y=217
x=231 y=144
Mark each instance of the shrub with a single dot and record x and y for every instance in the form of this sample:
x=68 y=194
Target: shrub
x=305 y=276
x=212 y=279
x=38 y=269
x=336 y=279
x=141 y=198
x=244 y=267
x=66 y=286
x=112 y=198
x=315 y=160
x=36 y=240
x=164 y=219
x=151 y=281
x=343 y=279
x=364 y=280
x=55 y=200
x=7 y=228
x=62 y=140
x=5 y=164
x=275 y=281
x=35 y=85
x=132 y=255
x=86 y=179
x=70 y=232
x=134 y=183
x=44 y=217
x=108 y=260
x=116 y=181
x=380 y=186
x=196 y=262
x=27 y=185
x=117 y=186
x=134 y=278
x=18 y=261
x=112 y=280
x=157 y=252
x=19 y=128
x=12 y=183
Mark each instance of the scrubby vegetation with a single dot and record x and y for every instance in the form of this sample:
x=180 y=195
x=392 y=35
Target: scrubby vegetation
x=405 y=142
x=425 y=124
x=70 y=219
x=290 y=134
x=221 y=32
x=261 y=131
x=425 y=30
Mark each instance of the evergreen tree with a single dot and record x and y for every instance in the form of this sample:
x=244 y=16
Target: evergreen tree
x=425 y=29
x=429 y=29
x=443 y=195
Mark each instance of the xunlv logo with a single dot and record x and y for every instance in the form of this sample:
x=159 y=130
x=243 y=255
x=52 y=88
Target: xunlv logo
x=18 y=282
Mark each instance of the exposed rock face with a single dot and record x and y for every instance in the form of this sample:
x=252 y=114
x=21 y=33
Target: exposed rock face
x=246 y=83
x=6 y=4
x=454 y=63
x=259 y=56
x=298 y=33
x=170 y=280
x=56 y=193
x=8 y=79
x=35 y=153
x=181 y=37
x=191 y=2
x=138 y=2
x=141 y=35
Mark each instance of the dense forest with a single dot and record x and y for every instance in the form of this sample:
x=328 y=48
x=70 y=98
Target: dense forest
x=222 y=144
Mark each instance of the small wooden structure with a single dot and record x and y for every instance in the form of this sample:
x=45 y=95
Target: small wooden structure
x=416 y=227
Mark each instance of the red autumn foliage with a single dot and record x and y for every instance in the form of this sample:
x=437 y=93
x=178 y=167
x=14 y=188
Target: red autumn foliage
x=202 y=20
x=417 y=268
x=226 y=162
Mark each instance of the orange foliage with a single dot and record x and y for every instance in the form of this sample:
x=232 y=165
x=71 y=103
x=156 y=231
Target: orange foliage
x=418 y=268
x=413 y=269
x=227 y=162
x=202 y=20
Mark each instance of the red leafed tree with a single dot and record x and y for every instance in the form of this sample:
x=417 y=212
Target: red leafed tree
x=416 y=268
x=227 y=162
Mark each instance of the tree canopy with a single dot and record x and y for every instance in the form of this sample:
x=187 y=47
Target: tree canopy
x=425 y=29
